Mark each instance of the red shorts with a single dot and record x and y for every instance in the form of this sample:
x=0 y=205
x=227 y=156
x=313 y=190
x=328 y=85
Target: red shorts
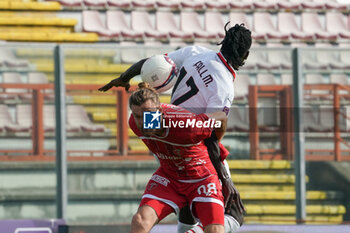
x=223 y=152
x=161 y=192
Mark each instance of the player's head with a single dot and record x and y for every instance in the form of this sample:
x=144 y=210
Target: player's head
x=236 y=44
x=144 y=99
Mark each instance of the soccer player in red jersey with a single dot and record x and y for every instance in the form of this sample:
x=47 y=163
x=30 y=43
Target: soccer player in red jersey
x=186 y=174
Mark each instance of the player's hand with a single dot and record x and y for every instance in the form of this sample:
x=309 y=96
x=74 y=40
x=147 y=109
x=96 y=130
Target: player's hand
x=231 y=196
x=118 y=82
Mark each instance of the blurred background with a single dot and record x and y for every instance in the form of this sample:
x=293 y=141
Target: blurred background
x=108 y=166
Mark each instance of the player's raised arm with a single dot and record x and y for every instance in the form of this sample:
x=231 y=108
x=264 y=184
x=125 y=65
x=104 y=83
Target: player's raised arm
x=124 y=79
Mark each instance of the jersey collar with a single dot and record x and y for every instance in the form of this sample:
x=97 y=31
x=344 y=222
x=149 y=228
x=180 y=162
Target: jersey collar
x=228 y=66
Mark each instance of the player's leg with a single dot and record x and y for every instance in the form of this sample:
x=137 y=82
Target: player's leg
x=211 y=215
x=143 y=220
x=150 y=212
x=186 y=221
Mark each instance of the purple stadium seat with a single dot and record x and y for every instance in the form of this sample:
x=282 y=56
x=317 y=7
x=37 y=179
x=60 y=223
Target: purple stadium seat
x=311 y=24
x=335 y=24
x=77 y=116
x=165 y=23
x=92 y=22
x=286 y=23
x=6 y=122
x=213 y=23
x=241 y=86
x=190 y=23
x=141 y=22
x=263 y=24
x=116 y=21
x=120 y=4
x=95 y=3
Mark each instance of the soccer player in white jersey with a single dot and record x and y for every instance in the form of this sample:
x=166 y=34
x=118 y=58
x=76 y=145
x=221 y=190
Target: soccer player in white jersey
x=205 y=84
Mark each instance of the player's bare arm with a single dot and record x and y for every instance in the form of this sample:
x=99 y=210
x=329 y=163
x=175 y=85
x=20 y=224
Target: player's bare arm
x=219 y=116
x=124 y=79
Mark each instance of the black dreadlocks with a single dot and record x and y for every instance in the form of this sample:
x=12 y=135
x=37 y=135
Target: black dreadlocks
x=236 y=44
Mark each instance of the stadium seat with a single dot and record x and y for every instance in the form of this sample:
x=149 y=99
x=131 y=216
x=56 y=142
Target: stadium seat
x=242 y=5
x=311 y=24
x=312 y=5
x=335 y=24
x=119 y=4
x=141 y=22
x=220 y=5
x=310 y=60
x=93 y=4
x=189 y=22
x=286 y=23
x=77 y=116
x=265 y=79
x=341 y=79
x=7 y=124
x=71 y=3
x=8 y=58
x=213 y=23
x=286 y=79
x=260 y=59
x=263 y=24
x=171 y=4
x=92 y=22
x=146 y=4
x=288 y=5
x=238 y=119
x=116 y=21
x=316 y=94
x=165 y=23
x=241 y=84
x=241 y=18
x=334 y=5
x=264 y=5
x=197 y=5
x=12 y=93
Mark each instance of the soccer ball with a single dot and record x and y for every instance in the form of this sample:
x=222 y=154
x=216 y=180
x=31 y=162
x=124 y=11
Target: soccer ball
x=160 y=72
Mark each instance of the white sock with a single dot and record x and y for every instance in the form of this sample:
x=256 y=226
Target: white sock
x=196 y=229
x=183 y=228
x=231 y=224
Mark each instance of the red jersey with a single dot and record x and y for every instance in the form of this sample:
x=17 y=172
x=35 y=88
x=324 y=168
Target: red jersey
x=181 y=152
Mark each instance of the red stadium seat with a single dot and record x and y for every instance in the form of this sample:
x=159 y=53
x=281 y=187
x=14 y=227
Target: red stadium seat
x=217 y=4
x=263 y=24
x=334 y=5
x=116 y=21
x=213 y=23
x=71 y=3
x=190 y=23
x=165 y=22
x=92 y=22
x=171 y=4
x=288 y=5
x=242 y=5
x=335 y=24
x=311 y=24
x=141 y=22
x=314 y=5
x=286 y=23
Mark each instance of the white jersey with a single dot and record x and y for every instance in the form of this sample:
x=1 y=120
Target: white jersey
x=205 y=80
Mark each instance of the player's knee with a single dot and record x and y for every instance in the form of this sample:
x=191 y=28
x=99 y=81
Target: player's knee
x=137 y=219
x=141 y=222
x=214 y=228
